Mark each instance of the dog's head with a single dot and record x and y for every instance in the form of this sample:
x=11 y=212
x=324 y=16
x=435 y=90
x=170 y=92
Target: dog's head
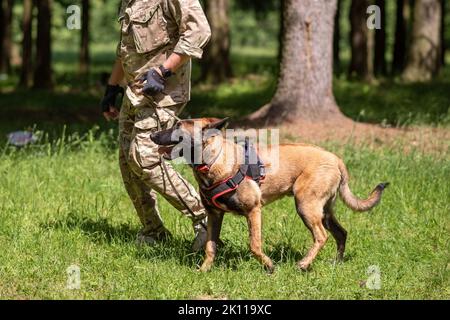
x=188 y=137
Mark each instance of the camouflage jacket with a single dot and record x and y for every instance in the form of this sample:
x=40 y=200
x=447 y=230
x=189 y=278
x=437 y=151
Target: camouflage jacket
x=150 y=31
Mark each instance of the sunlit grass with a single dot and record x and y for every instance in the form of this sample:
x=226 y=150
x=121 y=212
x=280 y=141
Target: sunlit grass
x=64 y=203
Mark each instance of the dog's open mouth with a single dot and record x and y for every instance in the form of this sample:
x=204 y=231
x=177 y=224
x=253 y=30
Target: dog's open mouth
x=168 y=144
x=166 y=151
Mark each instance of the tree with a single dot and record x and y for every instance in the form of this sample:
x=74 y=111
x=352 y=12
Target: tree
x=401 y=28
x=281 y=31
x=424 y=58
x=6 y=7
x=361 y=64
x=443 y=47
x=43 y=71
x=380 y=67
x=337 y=38
x=305 y=85
x=261 y=9
x=216 y=66
x=26 y=72
x=84 y=43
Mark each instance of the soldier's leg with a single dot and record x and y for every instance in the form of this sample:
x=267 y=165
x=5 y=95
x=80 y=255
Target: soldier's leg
x=146 y=204
x=145 y=162
x=143 y=198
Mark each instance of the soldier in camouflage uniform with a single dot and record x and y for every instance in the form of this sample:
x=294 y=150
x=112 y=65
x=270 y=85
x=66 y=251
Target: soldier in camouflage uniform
x=158 y=40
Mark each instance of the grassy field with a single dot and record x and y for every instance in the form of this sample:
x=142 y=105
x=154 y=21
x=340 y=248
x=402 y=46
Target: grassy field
x=64 y=204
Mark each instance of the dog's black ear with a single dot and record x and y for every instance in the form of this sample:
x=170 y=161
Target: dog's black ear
x=219 y=125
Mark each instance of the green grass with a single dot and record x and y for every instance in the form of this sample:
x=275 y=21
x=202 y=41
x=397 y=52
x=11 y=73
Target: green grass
x=62 y=201
x=64 y=204
x=397 y=104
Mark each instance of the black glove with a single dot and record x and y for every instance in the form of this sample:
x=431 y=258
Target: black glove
x=110 y=97
x=155 y=82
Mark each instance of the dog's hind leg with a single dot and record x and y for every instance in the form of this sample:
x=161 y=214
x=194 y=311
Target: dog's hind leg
x=338 y=232
x=254 y=227
x=312 y=215
x=214 y=225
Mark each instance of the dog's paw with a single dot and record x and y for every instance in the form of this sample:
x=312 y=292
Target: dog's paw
x=303 y=266
x=205 y=268
x=270 y=269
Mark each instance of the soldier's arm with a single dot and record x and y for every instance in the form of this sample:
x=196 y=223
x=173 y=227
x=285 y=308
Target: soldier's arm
x=174 y=62
x=194 y=31
x=110 y=112
x=117 y=73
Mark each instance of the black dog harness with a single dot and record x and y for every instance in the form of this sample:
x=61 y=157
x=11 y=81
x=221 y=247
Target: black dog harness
x=254 y=171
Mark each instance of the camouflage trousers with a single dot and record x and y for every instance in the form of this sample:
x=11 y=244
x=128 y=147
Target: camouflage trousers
x=142 y=171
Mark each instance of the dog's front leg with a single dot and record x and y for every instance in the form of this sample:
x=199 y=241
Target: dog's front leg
x=254 y=226
x=214 y=225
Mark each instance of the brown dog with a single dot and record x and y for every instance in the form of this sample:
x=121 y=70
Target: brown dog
x=312 y=175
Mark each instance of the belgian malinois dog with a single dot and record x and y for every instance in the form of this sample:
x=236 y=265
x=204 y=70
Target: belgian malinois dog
x=311 y=174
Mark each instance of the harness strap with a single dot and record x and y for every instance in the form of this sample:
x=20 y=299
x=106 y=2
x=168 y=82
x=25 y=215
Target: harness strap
x=222 y=188
x=256 y=172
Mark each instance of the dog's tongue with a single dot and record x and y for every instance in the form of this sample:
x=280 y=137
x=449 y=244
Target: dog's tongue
x=165 y=151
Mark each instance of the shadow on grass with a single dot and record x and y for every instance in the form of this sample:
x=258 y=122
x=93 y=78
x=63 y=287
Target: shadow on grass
x=286 y=253
x=229 y=256
x=395 y=103
x=233 y=100
x=98 y=231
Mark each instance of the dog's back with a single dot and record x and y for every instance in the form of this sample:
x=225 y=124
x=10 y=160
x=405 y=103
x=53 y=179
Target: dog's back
x=304 y=166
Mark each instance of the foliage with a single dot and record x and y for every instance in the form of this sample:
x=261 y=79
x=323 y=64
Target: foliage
x=75 y=100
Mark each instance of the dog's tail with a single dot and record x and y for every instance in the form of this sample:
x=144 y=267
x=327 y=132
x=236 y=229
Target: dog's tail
x=354 y=202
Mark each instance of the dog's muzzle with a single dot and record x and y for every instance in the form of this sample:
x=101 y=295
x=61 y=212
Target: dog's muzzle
x=165 y=138
x=169 y=143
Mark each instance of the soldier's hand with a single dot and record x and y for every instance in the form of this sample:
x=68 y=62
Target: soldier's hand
x=155 y=82
x=111 y=114
x=109 y=101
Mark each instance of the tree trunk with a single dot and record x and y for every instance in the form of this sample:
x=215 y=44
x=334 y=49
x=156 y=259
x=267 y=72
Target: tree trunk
x=424 y=58
x=5 y=36
x=305 y=86
x=2 y=36
x=26 y=73
x=281 y=31
x=443 y=46
x=361 y=64
x=84 y=44
x=43 y=71
x=401 y=31
x=380 y=67
x=336 y=39
x=216 y=66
